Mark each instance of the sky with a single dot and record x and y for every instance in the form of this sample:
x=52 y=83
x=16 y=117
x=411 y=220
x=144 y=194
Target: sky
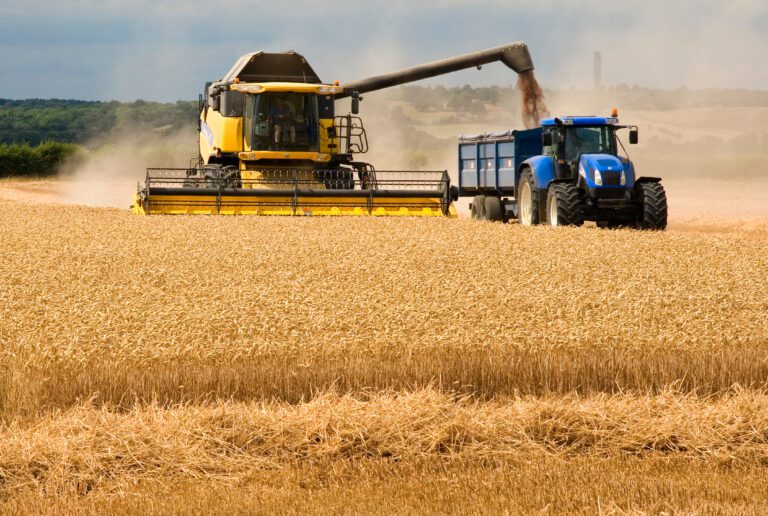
x=165 y=51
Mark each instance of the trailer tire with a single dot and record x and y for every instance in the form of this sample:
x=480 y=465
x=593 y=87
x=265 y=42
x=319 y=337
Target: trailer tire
x=478 y=207
x=653 y=206
x=527 y=200
x=564 y=206
x=493 y=209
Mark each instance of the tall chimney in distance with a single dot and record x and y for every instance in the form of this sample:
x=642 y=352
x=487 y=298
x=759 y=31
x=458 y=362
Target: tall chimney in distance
x=598 y=70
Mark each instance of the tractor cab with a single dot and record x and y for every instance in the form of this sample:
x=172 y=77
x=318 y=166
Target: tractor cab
x=587 y=149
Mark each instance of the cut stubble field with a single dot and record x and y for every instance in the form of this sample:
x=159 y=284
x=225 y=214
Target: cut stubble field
x=403 y=364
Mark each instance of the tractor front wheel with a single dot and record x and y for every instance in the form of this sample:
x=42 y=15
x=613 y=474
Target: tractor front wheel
x=653 y=206
x=564 y=206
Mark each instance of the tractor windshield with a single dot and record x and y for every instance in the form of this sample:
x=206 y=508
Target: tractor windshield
x=588 y=140
x=281 y=122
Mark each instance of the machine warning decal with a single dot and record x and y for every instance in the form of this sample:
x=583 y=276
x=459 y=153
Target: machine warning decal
x=207 y=132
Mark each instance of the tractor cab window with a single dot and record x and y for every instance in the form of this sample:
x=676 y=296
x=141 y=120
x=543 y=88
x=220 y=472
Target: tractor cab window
x=588 y=140
x=551 y=150
x=282 y=122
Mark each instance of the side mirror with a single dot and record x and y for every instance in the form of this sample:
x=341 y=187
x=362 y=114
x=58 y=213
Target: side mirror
x=355 y=103
x=216 y=104
x=633 y=136
x=546 y=139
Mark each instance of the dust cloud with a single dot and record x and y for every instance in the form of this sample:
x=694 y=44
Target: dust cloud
x=107 y=175
x=532 y=106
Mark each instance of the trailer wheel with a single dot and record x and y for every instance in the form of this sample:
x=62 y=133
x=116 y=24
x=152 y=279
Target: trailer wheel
x=478 y=207
x=527 y=201
x=653 y=211
x=564 y=206
x=493 y=209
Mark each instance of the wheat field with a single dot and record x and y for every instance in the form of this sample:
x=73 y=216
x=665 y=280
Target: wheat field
x=192 y=364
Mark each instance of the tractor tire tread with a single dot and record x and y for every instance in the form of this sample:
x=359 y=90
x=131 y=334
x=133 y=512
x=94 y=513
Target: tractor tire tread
x=654 y=210
x=570 y=208
x=528 y=176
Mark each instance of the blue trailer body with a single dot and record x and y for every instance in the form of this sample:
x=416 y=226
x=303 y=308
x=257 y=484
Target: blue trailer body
x=490 y=163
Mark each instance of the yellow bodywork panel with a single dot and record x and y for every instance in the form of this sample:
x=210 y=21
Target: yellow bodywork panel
x=222 y=133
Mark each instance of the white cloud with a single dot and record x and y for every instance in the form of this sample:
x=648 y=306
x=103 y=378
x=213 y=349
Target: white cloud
x=103 y=49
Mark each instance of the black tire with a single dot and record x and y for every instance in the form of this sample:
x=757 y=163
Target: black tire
x=493 y=210
x=564 y=205
x=478 y=207
x=528 y=214
x=653 y=206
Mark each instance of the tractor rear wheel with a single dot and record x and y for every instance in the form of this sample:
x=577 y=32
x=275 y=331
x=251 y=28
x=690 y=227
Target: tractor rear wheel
x=527 y=200
x=564 y=206
x=653 y=206
x=478 y=207
x=493 y=209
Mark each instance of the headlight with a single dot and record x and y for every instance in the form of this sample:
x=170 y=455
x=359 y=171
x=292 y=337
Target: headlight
x=598 y=178
x=623 y=178
x=248 y=88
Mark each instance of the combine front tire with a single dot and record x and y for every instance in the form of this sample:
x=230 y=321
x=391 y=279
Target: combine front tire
x=478 y=207
x=564 y=206
x=527 y=201
x=653 y=206
x=493 y=209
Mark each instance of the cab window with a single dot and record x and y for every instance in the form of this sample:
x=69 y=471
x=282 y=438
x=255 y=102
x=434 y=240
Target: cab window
x=283 y=122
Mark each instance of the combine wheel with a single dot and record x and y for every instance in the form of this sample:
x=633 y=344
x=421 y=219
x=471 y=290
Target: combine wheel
x=478 y=207
x=564 y=206
x=653 y=211
x=527 y=201
x=493 y=210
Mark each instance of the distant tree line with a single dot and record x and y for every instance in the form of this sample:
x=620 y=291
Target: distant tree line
x=84 y=122
x=22 y=159
x=37 y=135
x=91 y=123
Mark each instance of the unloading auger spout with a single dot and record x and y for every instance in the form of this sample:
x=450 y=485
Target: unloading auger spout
x=516 y=56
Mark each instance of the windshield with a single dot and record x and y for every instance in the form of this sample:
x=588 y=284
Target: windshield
x=588 y=140
x=282 y=122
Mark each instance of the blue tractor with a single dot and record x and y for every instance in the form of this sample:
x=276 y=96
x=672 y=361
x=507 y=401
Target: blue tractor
x=563 y=173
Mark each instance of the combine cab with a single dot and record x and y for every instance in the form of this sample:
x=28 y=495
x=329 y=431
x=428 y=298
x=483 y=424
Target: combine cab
x=271 y=144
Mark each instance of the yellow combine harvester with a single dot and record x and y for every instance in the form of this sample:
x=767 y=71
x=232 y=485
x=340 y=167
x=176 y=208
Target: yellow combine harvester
x=272 y=144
